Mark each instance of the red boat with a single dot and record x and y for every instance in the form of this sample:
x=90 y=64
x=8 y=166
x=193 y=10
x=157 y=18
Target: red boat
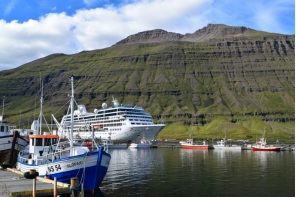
x=261 y=146
x=190 y=145
x=266 y=149
x=194 y=146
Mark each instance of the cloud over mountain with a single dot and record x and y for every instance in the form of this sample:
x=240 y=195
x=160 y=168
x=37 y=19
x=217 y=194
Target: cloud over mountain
x=102 y=27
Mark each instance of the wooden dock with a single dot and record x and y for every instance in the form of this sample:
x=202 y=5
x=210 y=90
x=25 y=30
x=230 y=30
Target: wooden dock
x=13 y=183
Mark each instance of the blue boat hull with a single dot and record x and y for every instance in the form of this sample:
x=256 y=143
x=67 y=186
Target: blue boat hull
x=90 y=177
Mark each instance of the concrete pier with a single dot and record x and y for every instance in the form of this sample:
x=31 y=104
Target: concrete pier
x=13 y=183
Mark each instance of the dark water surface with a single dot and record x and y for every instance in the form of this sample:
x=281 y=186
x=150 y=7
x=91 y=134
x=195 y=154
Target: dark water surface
x=178 y=172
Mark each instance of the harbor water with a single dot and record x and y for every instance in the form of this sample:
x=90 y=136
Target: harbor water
x=178 y=172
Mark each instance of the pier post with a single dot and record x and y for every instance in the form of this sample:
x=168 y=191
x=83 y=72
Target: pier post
x=55 y=187
x=12 y=150
x=32 y=171
x=75 y=186
x=34 y=187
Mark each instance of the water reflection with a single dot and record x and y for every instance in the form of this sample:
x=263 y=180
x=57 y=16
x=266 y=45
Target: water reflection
x=128 y=167
x=178 y=172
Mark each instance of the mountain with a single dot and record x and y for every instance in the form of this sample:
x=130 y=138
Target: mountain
x=212 y=31
x=219 y=78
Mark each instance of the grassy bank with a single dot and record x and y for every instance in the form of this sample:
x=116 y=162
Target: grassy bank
x=247 y=129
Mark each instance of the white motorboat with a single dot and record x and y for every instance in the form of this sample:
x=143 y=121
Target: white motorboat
x=143 y=143
x=223 y=145
x=282 y=146
x=10 y=142
x=111 y=145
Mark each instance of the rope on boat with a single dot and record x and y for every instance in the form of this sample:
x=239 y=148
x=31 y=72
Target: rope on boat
x=84 y=161
x=61 y=107
x=83 y=173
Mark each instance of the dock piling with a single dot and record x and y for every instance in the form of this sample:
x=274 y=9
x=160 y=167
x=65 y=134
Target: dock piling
x=75 y=186
x=34 y=187
x=55 y=191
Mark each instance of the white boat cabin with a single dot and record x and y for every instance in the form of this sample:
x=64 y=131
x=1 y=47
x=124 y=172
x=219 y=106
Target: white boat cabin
x=4 y=128
x=221 y=143
x=40 y=145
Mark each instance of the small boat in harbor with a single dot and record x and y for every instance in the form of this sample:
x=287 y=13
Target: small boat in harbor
x=10 y=142
x=223 y=145
x=191 y=145
x=51 y=159
x=110 y=145
x=143 y=143
x=282 y=146
x=262 y=145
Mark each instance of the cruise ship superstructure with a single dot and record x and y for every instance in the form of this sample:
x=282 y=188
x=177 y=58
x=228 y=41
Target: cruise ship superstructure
x=120 y=122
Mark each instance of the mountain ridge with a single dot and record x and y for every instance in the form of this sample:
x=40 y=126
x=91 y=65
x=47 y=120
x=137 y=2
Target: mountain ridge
x=211 y=31
x=246 y=79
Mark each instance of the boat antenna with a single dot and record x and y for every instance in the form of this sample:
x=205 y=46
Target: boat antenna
x=72 y=112
x=192 y=131
x=20 y=118
x=41 y=102
x=3 y=107
x=35 y=108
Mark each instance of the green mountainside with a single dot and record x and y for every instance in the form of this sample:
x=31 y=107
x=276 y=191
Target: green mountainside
x=218 y=79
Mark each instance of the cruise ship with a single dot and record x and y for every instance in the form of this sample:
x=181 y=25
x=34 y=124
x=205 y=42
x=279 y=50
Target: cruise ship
x=120 y=122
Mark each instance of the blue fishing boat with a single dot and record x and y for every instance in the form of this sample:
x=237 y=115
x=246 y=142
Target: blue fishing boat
x=52 y=158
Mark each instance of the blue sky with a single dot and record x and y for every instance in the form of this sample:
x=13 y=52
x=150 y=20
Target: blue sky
x=33 y=29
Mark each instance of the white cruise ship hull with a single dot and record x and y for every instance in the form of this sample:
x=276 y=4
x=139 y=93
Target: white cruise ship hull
x=132 y=132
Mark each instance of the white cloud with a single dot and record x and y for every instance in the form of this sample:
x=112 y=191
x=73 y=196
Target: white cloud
x=91 y=29
x=103 y=27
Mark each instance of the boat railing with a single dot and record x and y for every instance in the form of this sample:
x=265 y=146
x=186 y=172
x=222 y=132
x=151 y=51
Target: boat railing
x=50 y=157
x=23 y=152
x=59 y=154
x=23 y=159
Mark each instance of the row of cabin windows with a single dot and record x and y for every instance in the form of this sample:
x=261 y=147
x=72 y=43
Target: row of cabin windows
x=115 y=110
x=140 y=120
x=105 y=118
x=137 y=113
x=141 y=123
x=3 y=128
x=107 y=115
x=101 y=122
x=119 y=129
x=47 y=141
x=139 y=117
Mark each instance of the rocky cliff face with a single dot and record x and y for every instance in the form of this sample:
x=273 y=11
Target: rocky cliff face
x=156 y=35
x=219 y=70
x=211 y=31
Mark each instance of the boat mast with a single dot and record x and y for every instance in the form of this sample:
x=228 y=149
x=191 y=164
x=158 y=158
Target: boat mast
x=72 y=113
x=3 y=107
x=41 y=102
